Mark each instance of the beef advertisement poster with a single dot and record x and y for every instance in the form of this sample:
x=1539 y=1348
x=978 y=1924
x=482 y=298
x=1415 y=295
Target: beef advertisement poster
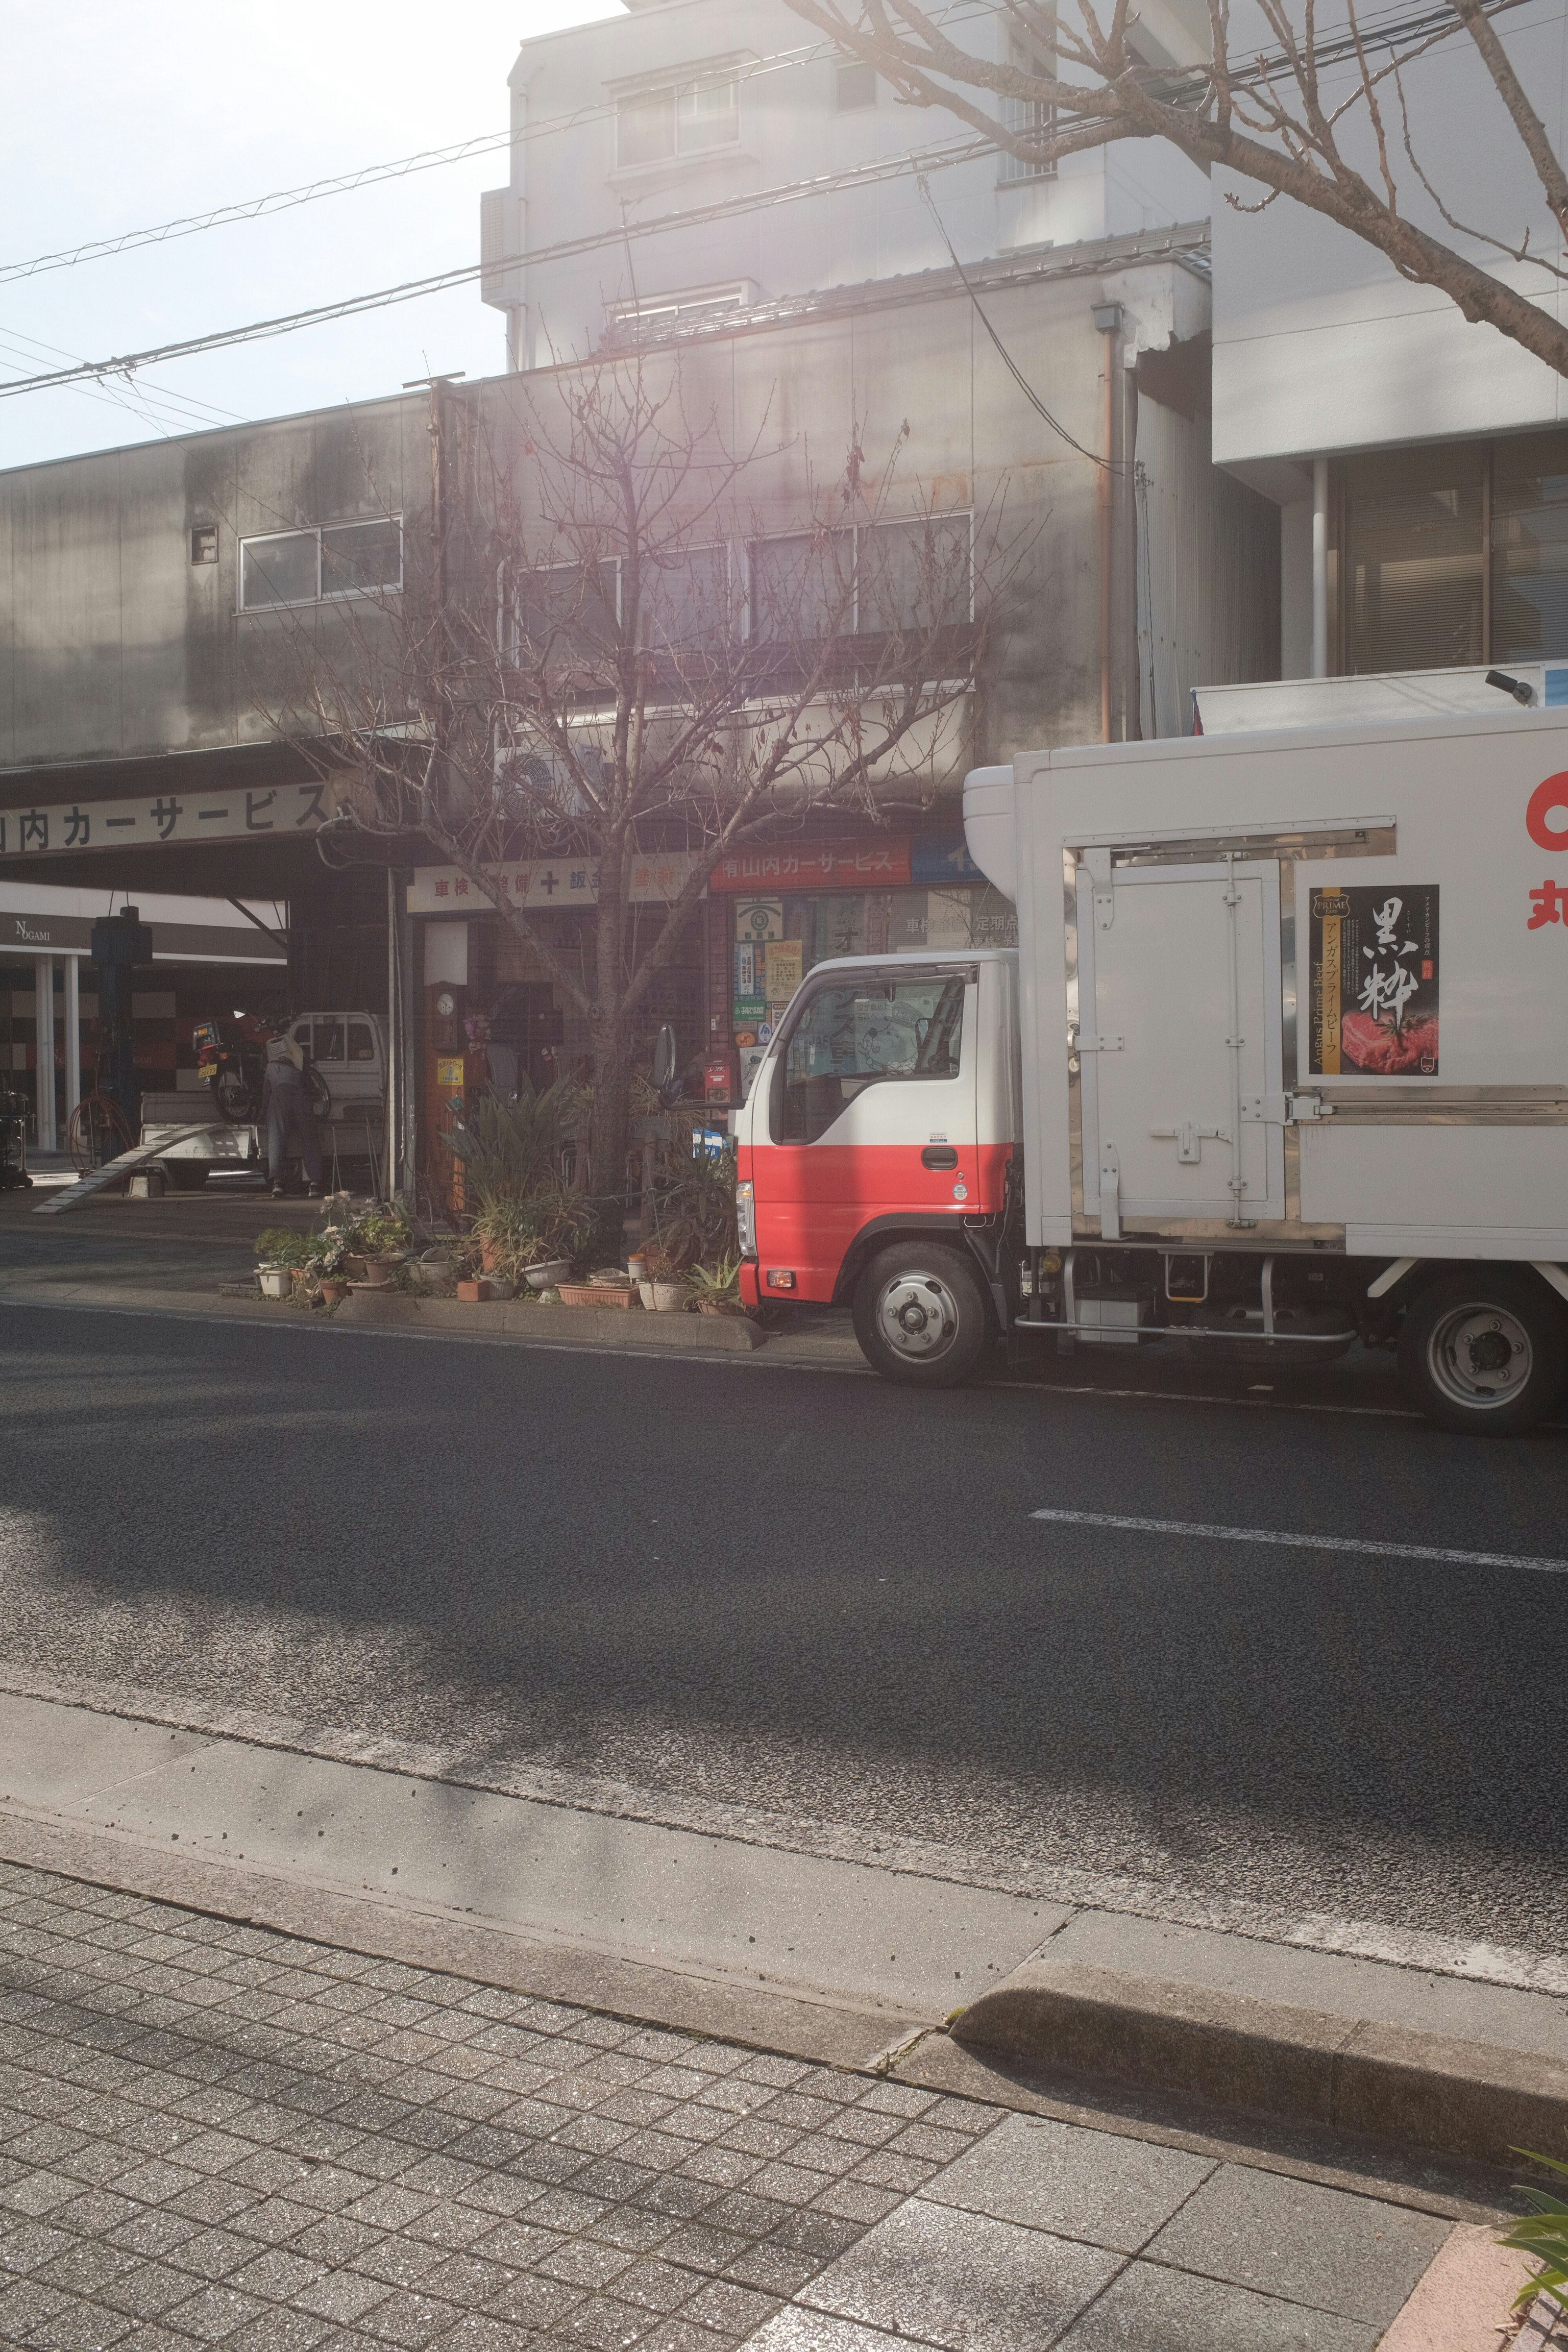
x=1374 y=1004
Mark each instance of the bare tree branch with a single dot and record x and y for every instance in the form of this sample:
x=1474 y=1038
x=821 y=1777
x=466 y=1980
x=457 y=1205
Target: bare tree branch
x=1264 y=116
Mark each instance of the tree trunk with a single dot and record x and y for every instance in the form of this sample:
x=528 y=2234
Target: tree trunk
x=609 y=1125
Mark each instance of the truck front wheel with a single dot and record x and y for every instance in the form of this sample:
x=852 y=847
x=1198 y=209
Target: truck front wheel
x=1484 y=1352
x=919 y=1315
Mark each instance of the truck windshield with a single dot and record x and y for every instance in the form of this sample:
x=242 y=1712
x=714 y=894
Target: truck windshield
x=850 y=1037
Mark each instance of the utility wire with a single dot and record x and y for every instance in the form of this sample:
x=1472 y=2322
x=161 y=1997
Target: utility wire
x=1003 y=353
x=725 y=208
x=427 y=159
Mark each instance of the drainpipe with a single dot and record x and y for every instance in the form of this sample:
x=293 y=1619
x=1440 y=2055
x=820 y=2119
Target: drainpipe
x=1320 y=567
x=1108 y=323
x=73 y=1034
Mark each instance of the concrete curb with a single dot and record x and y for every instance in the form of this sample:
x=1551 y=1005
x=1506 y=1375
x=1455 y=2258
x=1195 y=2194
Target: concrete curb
x=818 y=2031
x=602 y=1326
x=1424 y=2090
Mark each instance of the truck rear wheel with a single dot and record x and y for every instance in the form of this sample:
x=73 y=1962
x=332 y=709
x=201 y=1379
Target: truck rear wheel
x=919 y=1315
x=1484 y=1353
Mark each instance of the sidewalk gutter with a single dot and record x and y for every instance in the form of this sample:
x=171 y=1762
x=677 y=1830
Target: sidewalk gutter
x=1476 y=2094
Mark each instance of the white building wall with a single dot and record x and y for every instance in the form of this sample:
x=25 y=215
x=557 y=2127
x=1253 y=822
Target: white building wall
x=1319 y=345
x=566 y=183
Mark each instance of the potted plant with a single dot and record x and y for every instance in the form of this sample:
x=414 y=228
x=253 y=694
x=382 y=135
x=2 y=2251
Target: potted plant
x=281 y=1252
x=606 y=1286
x=376 y=1246
x=665 y=1290
x=716 y=1290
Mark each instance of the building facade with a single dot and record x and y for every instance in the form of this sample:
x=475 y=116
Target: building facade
x=1420 y=464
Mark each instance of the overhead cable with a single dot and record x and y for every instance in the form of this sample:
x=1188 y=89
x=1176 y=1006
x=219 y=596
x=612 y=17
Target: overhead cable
x=414 y=289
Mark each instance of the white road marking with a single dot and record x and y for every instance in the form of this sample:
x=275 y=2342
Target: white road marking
x=1302 y=1542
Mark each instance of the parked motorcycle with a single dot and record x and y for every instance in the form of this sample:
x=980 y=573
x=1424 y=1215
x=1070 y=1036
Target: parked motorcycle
x=235 y=1066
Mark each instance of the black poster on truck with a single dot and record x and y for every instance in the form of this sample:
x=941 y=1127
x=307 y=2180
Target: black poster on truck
x=1374 y=1004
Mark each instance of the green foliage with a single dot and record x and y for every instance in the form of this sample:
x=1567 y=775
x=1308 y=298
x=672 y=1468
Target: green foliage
x=694 y=1211
x=552 y=1223
x=383 y=1233
x=1543 y=2233
x=718 y=1285
x=512 y=1149
x=282 y=1245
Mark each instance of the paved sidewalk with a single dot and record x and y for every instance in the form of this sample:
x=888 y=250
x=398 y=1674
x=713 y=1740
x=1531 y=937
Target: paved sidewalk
x=212 y=2133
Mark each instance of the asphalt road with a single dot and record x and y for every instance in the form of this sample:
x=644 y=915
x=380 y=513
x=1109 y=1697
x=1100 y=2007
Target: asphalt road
x=813 y=1593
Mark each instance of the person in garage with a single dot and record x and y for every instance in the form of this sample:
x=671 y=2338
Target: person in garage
x=287 y=1115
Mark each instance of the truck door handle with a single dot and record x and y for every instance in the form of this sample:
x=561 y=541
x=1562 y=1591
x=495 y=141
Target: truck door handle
x=938 y=1155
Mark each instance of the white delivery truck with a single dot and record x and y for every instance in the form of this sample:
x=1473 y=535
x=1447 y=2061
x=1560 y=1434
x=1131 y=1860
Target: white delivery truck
x=1279 y=1065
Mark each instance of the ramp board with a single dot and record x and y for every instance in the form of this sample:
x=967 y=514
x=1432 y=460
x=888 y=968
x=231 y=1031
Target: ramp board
x=113 y=1171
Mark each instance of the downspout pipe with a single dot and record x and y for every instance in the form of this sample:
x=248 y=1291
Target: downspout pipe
x=1108 y=323
x=1320 y=567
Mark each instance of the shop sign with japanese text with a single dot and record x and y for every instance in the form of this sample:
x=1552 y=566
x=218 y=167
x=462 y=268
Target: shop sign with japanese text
x=815 y=866
x=545 y=882
x=164 y=819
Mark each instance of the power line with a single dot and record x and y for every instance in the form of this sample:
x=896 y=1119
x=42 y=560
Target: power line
x=412 y=290
x=429 y=159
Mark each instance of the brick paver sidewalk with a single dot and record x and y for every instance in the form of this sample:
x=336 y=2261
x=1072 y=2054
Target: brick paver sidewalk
x=212 y=2133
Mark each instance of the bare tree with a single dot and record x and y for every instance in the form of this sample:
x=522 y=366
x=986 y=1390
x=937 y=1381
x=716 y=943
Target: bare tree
x=608 y=657
x=1319 y=110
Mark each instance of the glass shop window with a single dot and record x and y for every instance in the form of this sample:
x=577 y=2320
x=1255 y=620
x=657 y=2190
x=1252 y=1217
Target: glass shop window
x=1412 y=559
x=1530 y=549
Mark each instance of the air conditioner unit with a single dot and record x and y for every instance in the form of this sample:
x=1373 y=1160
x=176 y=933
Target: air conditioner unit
x=532 y=780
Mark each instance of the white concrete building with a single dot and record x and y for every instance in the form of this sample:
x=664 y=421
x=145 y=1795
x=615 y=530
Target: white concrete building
x=1425 y=460
x=798 y=158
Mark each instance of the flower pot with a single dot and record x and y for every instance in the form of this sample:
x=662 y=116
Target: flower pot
x=274 y=1281
x=645 y=1292
x=373 y=1272
x=637 y=1269
x=547 y=1277
x=333 y=1292
x=595 y=1294
x=474 y=1293
x=489 y=1258
x=668 y=1297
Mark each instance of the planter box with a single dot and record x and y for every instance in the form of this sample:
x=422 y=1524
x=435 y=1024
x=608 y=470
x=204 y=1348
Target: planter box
x=593 y=1294
x=474 y=1293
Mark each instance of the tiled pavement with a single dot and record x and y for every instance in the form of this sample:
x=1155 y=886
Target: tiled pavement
x=216 y=2135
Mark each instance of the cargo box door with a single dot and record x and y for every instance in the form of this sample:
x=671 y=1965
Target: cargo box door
x=1180 y=1043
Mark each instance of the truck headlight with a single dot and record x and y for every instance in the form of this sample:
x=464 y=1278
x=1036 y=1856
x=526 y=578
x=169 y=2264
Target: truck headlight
x=746 y=1216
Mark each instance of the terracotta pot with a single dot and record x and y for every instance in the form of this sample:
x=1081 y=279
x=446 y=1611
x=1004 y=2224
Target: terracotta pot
x=489 y=1258
x=375 y=1273
x=595 y=1294
x=335 y=1291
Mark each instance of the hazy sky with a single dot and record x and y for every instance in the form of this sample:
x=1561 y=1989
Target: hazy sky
x=124 y=113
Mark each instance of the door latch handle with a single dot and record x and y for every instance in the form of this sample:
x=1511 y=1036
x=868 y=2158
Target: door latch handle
x=938 y=1155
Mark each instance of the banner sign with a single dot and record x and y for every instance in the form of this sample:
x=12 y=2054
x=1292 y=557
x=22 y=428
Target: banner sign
x=943 y=859
x=545 y=882
x=875 y=864
x=1374 y=1006
x=172 y=819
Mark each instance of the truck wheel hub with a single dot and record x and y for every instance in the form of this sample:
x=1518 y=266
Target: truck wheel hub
x=917 y=1314
x=1480 y=1356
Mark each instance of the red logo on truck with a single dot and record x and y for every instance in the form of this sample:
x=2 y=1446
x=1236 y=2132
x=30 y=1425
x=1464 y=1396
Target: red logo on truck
x=1543 y=800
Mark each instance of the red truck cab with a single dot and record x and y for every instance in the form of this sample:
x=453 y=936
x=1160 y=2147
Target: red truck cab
x=875 y=1153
